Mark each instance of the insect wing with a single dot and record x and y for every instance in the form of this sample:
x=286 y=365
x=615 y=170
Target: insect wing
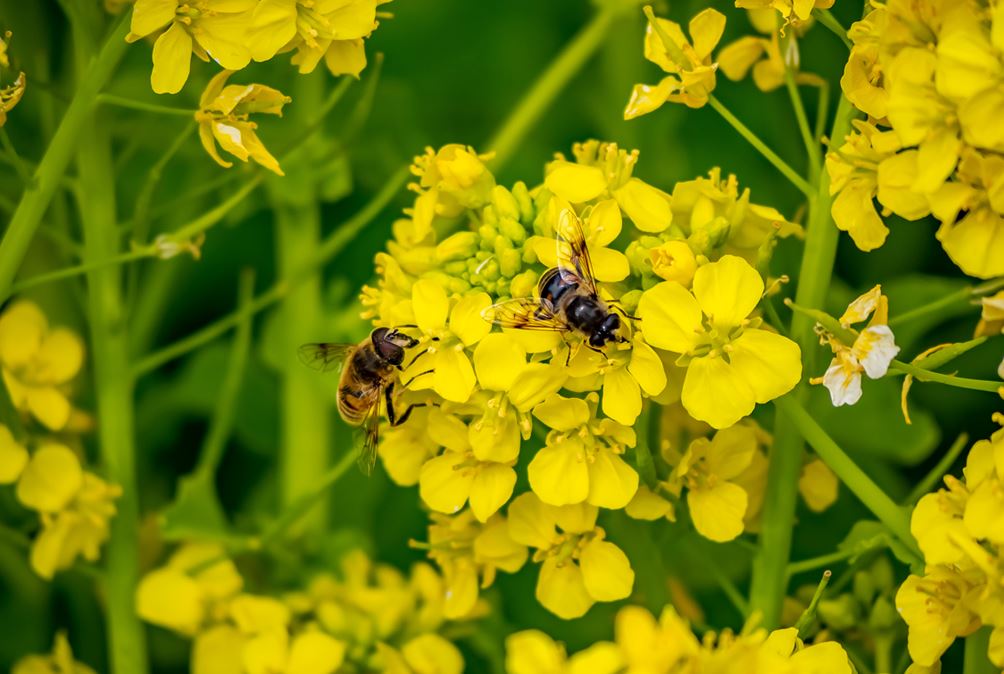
x=572 y=252
x=324 y=356
x=525 y=313
x=371 y=439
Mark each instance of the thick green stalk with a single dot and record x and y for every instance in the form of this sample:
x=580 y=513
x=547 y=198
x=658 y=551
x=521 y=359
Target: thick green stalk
x=37 y=196
x=769 y=582
x=306 y=415
x=113 y=385
x=976 y=660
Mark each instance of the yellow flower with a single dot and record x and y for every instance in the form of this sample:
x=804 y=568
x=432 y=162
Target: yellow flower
x=450 y=373
x=310 y=651
x=425 y=654
x=601 y=224
x=601 y=171
x=483 y=474
x=762 y=55
x=38 y=363
x=469 y=554
x=866 y=165
x=581 y=461
x=59 y=662
x=936 y=608
x=13 y=457
x=874 y=348
x=578 y=567
x=533 y=652
x=223 y=118
x=406 y=447
x=648 y=646
x=818 y=485
x=674 y=261
x=10 y=96
x=732 y=363
x=792 y=11
x=193 y=586
x=991 y=315
x=708 y=469
x=213 y=29
x=691 y=76
x=450 y=179
x=862 y=81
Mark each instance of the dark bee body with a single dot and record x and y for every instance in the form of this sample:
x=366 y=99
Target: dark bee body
x=567 y=299
x=369 y=372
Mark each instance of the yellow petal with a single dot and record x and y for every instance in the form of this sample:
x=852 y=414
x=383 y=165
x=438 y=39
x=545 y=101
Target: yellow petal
x=13 y=457
x=770 y=363
x=606 y=571
x=170 y=599
x=600 y=658
x=717 y=512
x=498 y=361
x=151 y=15
x=466 y=321
x=558 y=473
x=609 y=265
x=715 y=392
x=60 y=356
x=223 y=36
x=706 y=30
x=315 y=652
x=731 y=451
x=728 y=290
x=561 y=590
x=448 y=431
x=562 y=414
x=646 y=367
x=49 y=406
x=854 y=212
x=577 y=519
x=647 y=505
x=612 y=482
x=976 y=243
x=936 y=159
x=818 y=485
x=22 y=329
x=575 y=183
x=647 y=206
x=979 y=119
x=670 y=317
x=431 y=306
x=736 y=59
x=646 y=98
x=346 y=57
x=494 y=437
x=453 y=377
x=461 y=581
x=432 y=654
x=444 y=486
x=532 y=652
x=536 y=383
x=531 y=522
x=51 y=479
x=354 y=19
x=213 y=651
x=172 y=58
x=252 y=613
x=266 y=652
x=621 y=396
x=273 y=24
x=207 y=138
x=490 y=489
x=603 y=224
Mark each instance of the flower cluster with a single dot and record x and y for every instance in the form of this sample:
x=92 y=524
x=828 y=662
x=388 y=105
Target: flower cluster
x=929 y=77
x=366 y=617
x=685 y=294
x=643 y=644
x=959 y=531
x=761 y=55
x=60 y=661
x=233 y=32
x=74 y=506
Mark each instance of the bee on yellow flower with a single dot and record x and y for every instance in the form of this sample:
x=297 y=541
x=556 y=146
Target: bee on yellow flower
x=223 y=118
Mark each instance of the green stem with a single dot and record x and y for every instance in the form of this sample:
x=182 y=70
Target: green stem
x=920 y=374
x=543 y=92
x=769 y=565
x=22 y=167
x=76 y=270
x=814 y=563
x=935 y=475
x=961 y=298
x=331 y=246
x=824 y=106
x=809 y=613
x=791 y=174
x=36 y=198
x=976 y=660
x=214 y=215
x=871 y=495
x=729 y=588
x=120 y=102
x=830 y=22
x=306 y=416
x=114 y=392
x=648 y=424
x=808 y=139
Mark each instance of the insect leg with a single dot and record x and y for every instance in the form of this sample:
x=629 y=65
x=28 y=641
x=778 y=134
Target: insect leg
x=420 y=374
x=388 y=396
x=407 y=413
x=616 y=305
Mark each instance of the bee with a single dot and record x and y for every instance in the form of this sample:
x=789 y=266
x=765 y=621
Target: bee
x=567 y=298
x=369 y=374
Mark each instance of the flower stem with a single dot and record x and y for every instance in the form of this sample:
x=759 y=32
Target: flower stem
x=921 y=374
x=770 y=563
x=77 y=270
x=114 y=392
x=810 y=141
x=871 y=495
x=119 y=101
x=649 y=423
x=35 y=199
x=976 y=660
x=798 y=181
x=543 y=92
x=935 y=475
x=830 y=22
x=814 y=563
x=809 y=613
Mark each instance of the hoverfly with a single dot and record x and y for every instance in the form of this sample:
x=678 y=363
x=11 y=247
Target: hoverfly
x=369 y=373
x=567 y=298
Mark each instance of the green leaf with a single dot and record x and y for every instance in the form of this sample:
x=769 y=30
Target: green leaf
x=868 y=535
x=196 y=511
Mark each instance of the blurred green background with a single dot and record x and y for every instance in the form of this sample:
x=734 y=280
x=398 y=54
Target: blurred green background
x=453 y=70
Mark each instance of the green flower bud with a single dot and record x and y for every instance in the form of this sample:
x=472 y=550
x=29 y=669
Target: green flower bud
x=487 y=234
x=523 y=284
x=630 y=299
x=522 y=196
x=513 y=230
x=884 y=615
x=505 y=203
x=457 y=246
x=510 y=262
x=489 y=215
x=839 y=613
x=882 y=574
x=864 y=587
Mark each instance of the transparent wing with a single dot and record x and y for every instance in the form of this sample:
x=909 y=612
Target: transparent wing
x=573 y=255
x=324 y=356
x=525 y=313
x=371 y=438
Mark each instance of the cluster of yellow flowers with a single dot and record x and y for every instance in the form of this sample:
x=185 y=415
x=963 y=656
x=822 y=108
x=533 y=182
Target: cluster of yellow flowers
x=10 y=95
x=644 y=645
x=74 y=505
x=928 y=75
x=233 y=32
x=365 y=617
x=959 y=529
x=696 y=345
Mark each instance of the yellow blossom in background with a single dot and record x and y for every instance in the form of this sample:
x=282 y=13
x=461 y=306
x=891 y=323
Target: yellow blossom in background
x=762 y=55
x=450 y=180
x=533 y=652
x=211 y=29
x=873 y=349
x=10 y=96
x=38 y=363
x=674 y=261
x=691 y=76
x=223 y=118
x=731 y=362
x=578 y=567
x=792 y=11
x=60 y=661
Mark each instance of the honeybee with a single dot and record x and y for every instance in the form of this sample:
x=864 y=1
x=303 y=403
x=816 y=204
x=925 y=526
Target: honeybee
x=369 y=373
x=567 y=299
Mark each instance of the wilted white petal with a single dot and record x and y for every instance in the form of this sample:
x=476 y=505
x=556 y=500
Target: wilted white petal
x=875 y=348
x=843 y=380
